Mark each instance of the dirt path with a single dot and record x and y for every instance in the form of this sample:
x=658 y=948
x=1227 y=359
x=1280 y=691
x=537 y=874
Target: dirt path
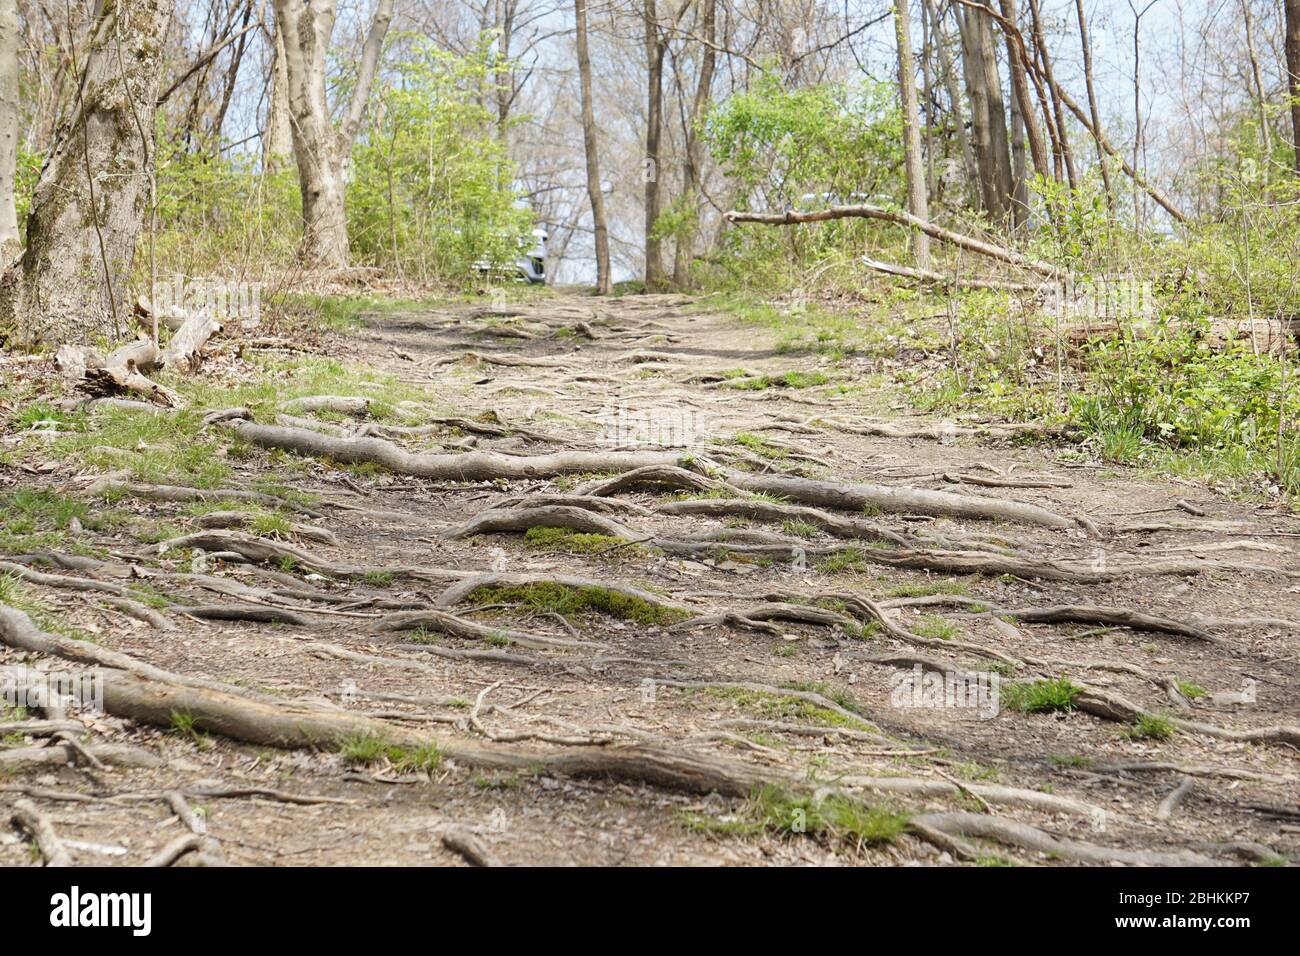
x=757 y=606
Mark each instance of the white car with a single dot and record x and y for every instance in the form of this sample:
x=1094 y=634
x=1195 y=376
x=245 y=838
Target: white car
x=532 y=264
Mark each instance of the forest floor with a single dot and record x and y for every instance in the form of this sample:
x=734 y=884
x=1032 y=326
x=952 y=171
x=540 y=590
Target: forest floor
x=726 y=659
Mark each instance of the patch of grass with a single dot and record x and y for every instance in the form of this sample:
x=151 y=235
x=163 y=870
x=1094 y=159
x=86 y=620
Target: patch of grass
x=782 y=707
x=348 y=313
x=834 y=819
x=1150 y=727
x=185 y=724
x=496 y=782
x=1040 y=696
x=14 y=593
x=590 y=599
x=379 y=579
x=846 y=559
x=370 y=749
x=927 y=590
x=794 y=379
x=1120 y=443
x=167 y=449
x=1077 y=761
x=149 y=596
x=271 y=524
x=799 y=528
x=758 y=446
x=1190 y=690
x=937 y=628
x=568 y=541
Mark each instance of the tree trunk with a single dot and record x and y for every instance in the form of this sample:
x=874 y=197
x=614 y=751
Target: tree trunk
x=1293 y=71
x=278 y=142
x=917 y=202
x=71 y=284
x=321 y=151
x=1095 y=112
x=9 y=119
x=1062 y=137
x=594 y=194
x=1024 y=103
x=684 y=249
x=955 y=101
x=1019 y=172
x=988 y=113
x=655 y=48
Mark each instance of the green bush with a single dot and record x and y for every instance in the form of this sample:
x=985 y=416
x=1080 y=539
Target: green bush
x=432 y=190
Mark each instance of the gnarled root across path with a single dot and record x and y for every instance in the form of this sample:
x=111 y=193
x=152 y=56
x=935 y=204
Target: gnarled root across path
x=625 y=568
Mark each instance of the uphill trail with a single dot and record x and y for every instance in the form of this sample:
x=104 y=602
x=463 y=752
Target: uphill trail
x=623 y=582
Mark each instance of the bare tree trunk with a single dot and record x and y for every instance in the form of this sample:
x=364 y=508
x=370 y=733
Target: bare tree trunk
x=1257 y=93
x=927 y=98
x=71 y=284
x=594 y=194
x=683 y=252
x=655 y=48
x=917 y=202
x=1024 y=103
x=9 y=119
x=278 y=142
x=1019 y=172
x=505 y=76
x=1062 y=136
x=1095 y=112
x=322 y=152
x=1293 y=71
x=955 y=101
x=988 y=115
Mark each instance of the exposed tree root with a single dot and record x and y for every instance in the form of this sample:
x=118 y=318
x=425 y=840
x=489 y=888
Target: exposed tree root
x=444 y=623
x=901 y=500
x=653 y=476
x=242 y=519
x=60 y=580
x=799 y=613
x=982 y=826
x=24 y=759
x=589 y=502
x=1170 y=803
x=27 y=817
x=256 y=549
x=343 y=404
x=467 y=466
x=770 y=511
x=467 y=845
x=993 y=793
x=1117 y=616
x=545 y=516
x=457 y=592
x=1110 y=706
x=247 y=612
x=179 y=493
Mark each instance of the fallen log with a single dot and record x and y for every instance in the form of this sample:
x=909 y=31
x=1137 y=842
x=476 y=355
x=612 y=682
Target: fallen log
x=961 y=241
x=188 y=341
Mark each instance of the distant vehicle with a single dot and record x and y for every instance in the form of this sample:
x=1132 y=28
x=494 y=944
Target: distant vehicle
x=532 y=264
